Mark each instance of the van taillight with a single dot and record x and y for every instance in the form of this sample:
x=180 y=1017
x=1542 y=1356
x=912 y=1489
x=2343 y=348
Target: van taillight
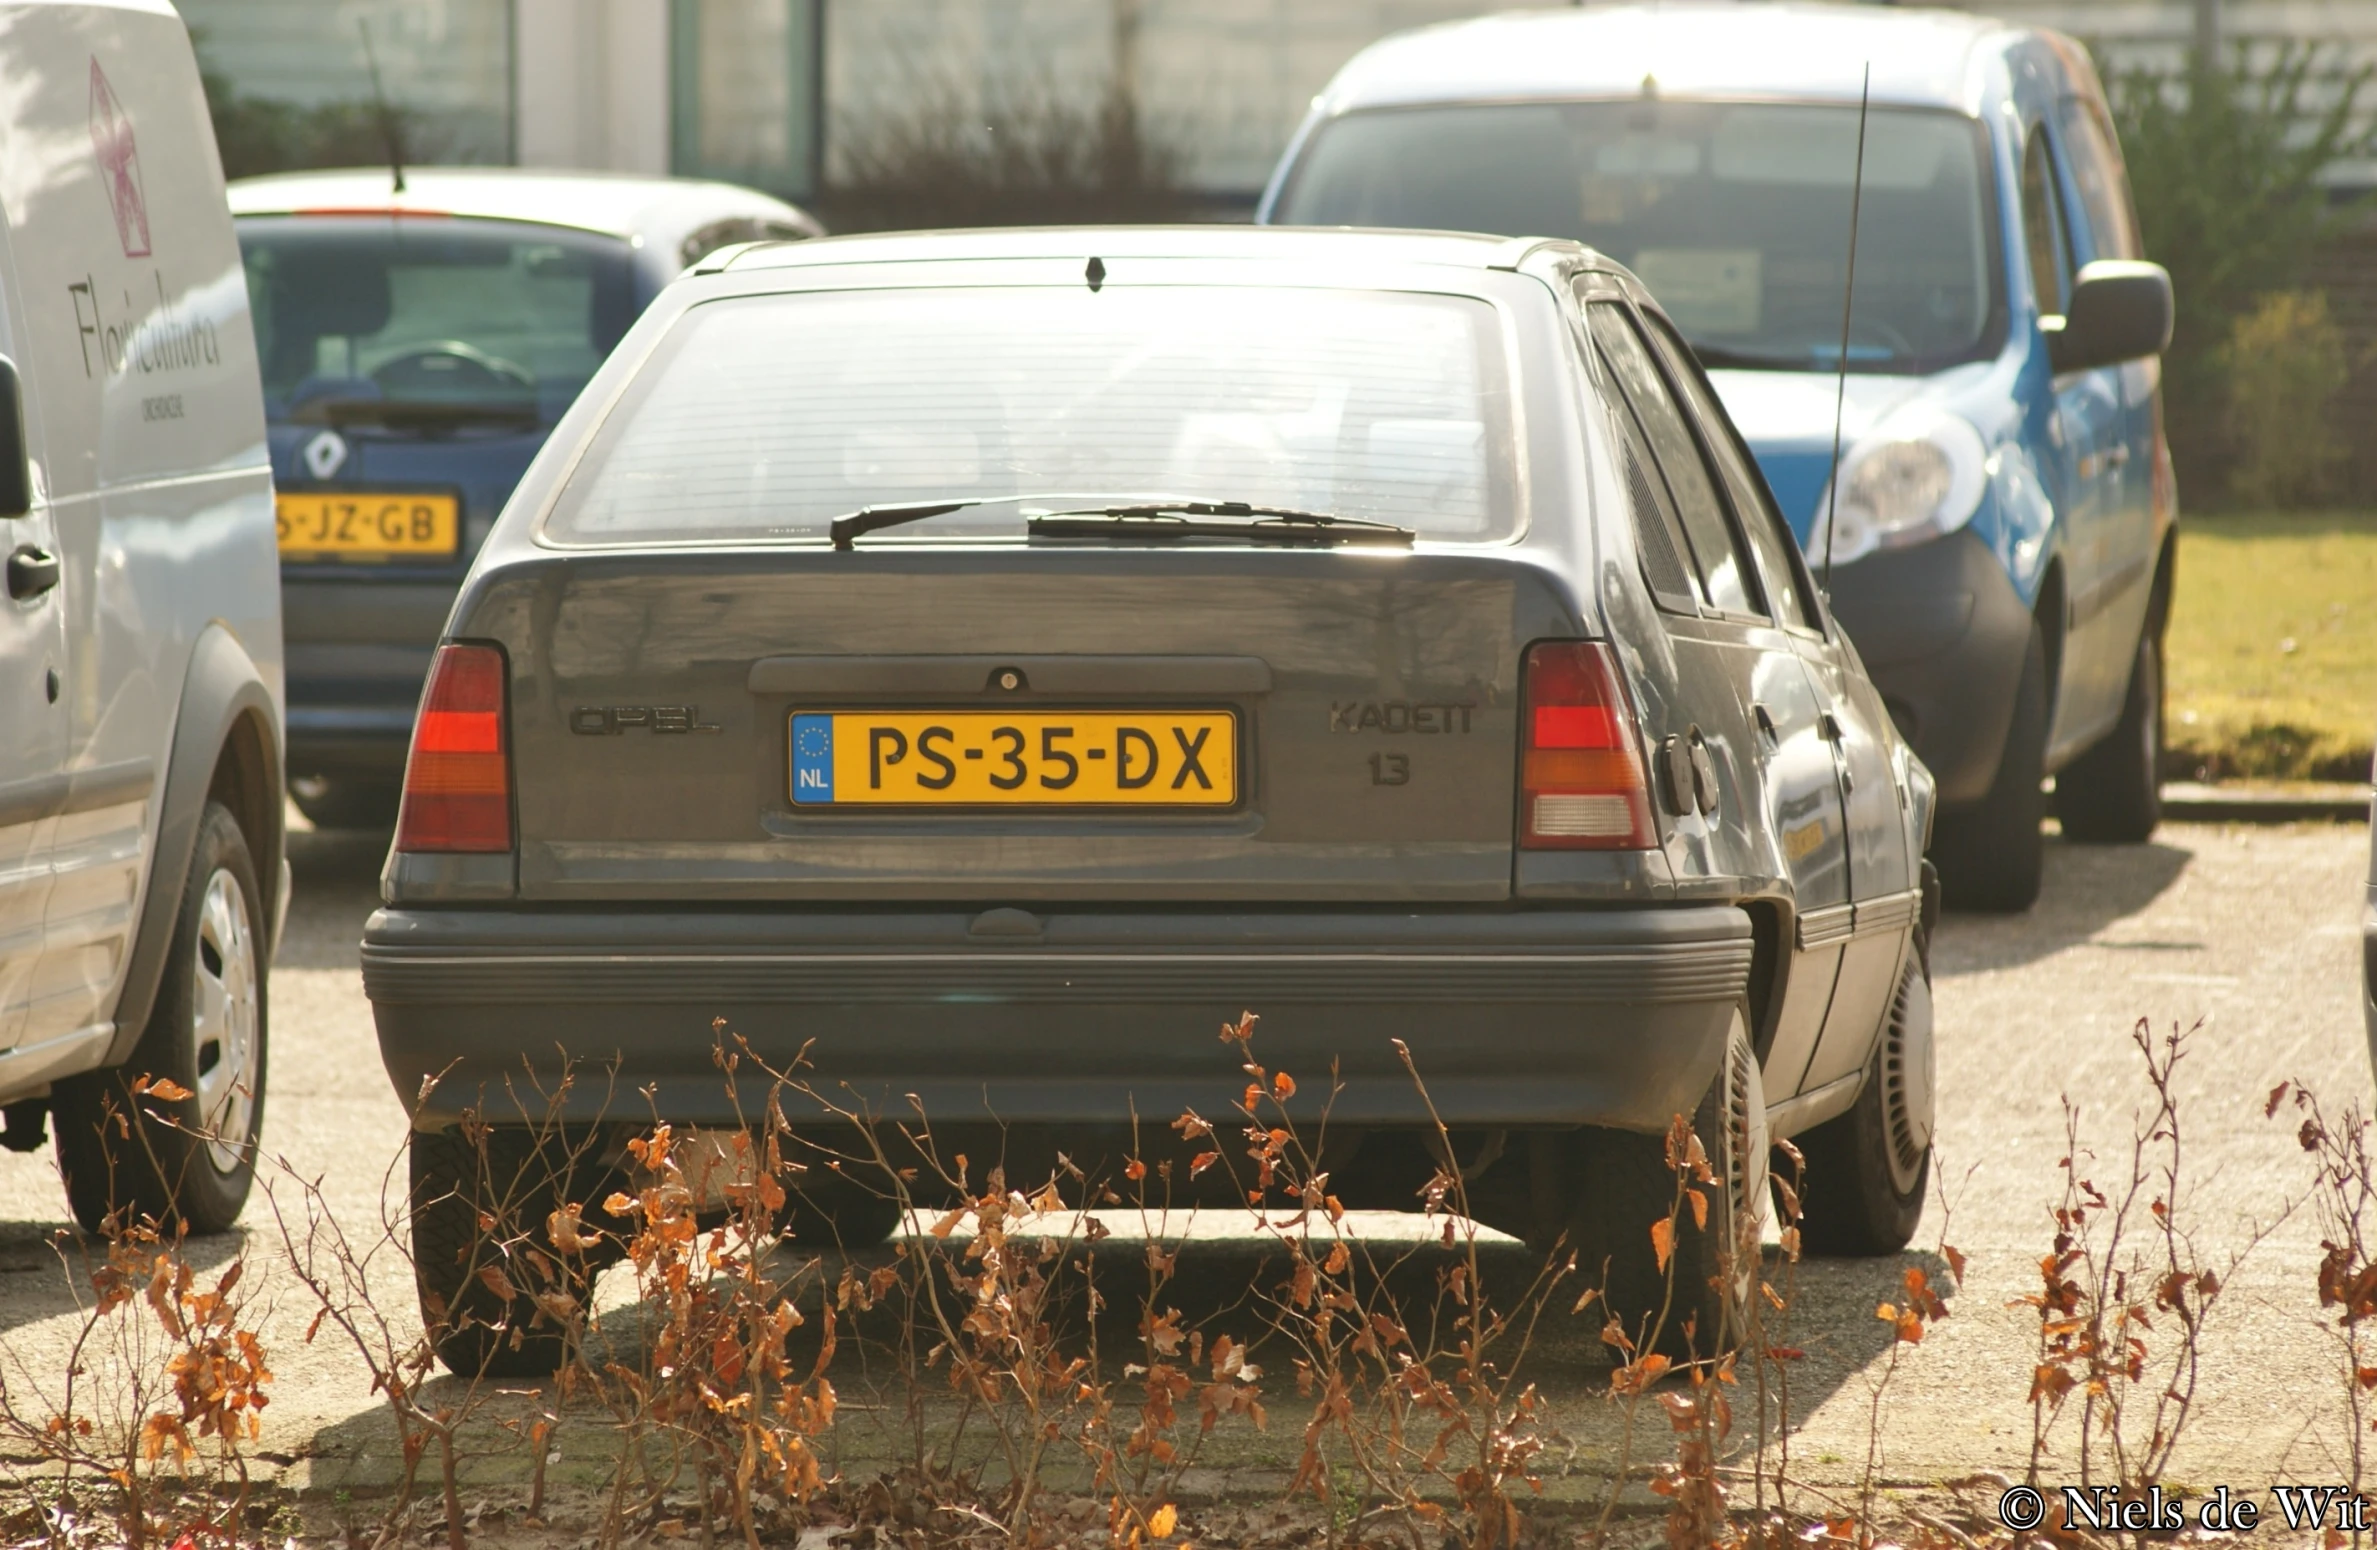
x=458 y=777
x=1581 y=783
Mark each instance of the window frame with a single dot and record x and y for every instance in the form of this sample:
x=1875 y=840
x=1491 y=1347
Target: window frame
x=1675 y=357
x=2087 y=129
x=1745 y=558
x=2040 y=141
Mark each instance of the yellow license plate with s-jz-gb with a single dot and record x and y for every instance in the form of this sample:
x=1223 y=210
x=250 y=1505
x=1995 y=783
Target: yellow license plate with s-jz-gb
x=1067 y=758
x=359 y=525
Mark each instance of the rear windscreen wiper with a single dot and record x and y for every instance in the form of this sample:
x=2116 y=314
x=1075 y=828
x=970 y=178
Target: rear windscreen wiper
x=1231 y=520
x=857 y=524
x=404 y=414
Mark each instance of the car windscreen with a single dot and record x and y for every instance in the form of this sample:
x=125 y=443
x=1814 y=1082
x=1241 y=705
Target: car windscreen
x=430 y=320
x=1736 y=215
x=764 y=417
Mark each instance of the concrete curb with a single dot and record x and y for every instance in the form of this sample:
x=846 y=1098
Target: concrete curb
x=2189 y=802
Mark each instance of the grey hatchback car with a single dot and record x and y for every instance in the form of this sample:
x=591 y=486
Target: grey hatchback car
x=1002 y=657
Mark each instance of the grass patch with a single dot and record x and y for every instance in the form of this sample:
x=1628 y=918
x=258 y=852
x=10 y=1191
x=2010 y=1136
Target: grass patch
x=2272 y=652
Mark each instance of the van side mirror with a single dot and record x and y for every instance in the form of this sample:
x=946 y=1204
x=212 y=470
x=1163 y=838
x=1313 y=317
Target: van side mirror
x=2120 y=311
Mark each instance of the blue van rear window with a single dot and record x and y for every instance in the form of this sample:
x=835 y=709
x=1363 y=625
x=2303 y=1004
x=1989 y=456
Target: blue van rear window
x=430 y=321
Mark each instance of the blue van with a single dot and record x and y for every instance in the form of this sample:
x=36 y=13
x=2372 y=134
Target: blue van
x=418 y=342
x=2000 y=548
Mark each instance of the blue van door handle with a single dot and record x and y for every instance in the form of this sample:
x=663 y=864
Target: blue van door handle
x=31 y=572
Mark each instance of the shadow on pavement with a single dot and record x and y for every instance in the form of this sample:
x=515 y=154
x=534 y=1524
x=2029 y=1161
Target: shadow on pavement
x=1220 y=1287
x=45 y=1273
x=2088 y=887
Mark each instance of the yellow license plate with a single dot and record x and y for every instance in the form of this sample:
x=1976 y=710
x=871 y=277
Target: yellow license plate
x=1063 y=758
x=358 y=525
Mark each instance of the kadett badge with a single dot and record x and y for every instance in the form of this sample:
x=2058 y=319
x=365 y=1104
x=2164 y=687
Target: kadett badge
x=119 y=160
x=326 y=454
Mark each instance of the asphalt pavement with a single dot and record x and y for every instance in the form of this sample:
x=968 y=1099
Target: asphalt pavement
x=2248 y=934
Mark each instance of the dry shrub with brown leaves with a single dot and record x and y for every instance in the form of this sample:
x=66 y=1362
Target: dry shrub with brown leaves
x=2101 y=1293
x=164 y=1387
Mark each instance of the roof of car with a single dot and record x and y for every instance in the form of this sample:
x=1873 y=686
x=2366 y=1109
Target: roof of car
x=1696 y=48
x=1107 y=243
x=619 y=205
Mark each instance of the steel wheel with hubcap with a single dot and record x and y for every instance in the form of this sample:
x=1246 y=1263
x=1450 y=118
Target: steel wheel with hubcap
x=191 y=1158
x=1868 y=1169
x=1617 y=1184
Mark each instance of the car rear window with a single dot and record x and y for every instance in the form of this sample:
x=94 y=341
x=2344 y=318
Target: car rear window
x=764 y=417
x=432 y=314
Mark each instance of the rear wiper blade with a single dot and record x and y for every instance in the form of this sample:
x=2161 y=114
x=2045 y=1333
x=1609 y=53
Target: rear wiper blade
x=410 y=414
x=867 y=519
x=1236 y=520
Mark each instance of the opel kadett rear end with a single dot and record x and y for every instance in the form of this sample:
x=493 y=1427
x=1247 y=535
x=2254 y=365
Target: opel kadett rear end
x=989 y=663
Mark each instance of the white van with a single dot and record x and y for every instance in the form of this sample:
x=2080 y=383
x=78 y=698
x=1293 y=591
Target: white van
x=141 y=873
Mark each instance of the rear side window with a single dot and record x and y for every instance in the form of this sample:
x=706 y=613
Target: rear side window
x=2097 y=171
x=1753 y=507
x=2042 y=226
x=1716 y=557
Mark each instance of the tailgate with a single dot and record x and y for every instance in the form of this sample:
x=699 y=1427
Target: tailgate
x=995 y=724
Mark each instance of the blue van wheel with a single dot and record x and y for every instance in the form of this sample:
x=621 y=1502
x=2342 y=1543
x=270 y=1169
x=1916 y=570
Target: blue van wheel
x=1990 y=854
x=2112 y=794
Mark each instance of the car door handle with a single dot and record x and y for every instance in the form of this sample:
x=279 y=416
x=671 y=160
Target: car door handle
x=31 y=572
x=1829 y=726
x=1766 y=726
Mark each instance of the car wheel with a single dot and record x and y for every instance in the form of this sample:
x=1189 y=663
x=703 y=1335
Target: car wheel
x=190 y=1159
x=1990 y=854
x=1868 y=1169
x=2112 y=794
x=852 y=1219
x=476 y=1211
x=348 y=803
x=1617 y=1185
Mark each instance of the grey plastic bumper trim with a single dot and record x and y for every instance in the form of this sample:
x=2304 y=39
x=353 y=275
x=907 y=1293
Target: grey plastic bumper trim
x=1644 y=976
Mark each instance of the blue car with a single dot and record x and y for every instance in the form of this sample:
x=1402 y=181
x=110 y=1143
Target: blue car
x=2000 y=543
x=418 y=344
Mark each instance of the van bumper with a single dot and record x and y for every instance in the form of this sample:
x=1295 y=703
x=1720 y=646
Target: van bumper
x=358 y=651
x=1943 y=633
x=1524 y=1017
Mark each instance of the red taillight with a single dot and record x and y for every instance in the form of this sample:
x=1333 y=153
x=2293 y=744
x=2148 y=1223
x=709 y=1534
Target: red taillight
x=458 y=778
x=1581 y=783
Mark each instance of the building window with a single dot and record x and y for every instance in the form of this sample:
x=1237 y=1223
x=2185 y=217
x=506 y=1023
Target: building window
x=745 y=92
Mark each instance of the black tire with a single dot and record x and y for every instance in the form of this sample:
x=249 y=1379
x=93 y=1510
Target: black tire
x=2112 y=794
x=848 y=1218
x=512 y=1182
x=349 y=802
x=190 y=1161
x=1617 y=1184
x=1869 y=1169
x=1991 y=853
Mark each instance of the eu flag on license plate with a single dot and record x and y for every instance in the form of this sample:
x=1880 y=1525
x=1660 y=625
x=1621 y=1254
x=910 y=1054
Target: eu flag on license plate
x=812 y=758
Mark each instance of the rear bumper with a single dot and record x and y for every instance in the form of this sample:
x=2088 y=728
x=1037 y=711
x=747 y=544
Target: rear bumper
x=358 y=651
x=1943 y=633
x=1515 y=1018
